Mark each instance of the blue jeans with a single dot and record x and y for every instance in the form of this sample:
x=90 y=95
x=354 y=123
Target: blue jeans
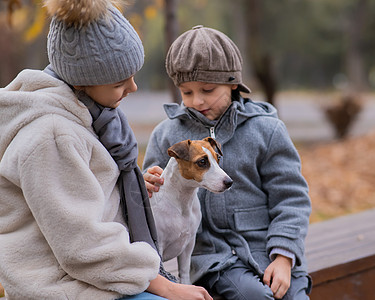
x=142 y=296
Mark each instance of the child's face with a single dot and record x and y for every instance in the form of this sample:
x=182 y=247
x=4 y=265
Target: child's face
x=210 y=99
x=110 y=95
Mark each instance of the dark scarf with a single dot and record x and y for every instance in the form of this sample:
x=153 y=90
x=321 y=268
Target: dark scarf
x=117 y=137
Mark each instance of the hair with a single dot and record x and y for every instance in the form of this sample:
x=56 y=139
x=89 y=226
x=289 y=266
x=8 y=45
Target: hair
x=236 y=95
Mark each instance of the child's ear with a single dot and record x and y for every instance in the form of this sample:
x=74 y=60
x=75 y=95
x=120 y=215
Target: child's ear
x=234 y=86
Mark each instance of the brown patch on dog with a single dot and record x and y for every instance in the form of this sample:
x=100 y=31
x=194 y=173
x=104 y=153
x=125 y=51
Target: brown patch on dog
x=192 y=161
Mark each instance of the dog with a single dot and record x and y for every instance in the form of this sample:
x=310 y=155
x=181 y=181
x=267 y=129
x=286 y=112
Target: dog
x=176 y=208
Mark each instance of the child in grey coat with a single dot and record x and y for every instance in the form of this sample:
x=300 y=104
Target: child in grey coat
x=250 y=244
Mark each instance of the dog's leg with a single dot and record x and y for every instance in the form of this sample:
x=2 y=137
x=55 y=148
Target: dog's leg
x=184 y=260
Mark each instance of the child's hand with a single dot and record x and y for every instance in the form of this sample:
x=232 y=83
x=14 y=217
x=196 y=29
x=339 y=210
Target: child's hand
x=188 y=292
x=153 y=180
x=176 y=291
x=278 y=275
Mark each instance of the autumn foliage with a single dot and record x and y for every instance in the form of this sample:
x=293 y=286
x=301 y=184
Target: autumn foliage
x=341 y=176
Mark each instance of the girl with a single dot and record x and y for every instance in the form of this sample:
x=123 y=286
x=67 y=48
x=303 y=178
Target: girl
x=68 y=156
x=251 y=241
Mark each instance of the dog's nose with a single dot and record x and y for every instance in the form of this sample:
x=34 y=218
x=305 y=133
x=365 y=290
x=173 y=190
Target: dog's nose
x=228 y=182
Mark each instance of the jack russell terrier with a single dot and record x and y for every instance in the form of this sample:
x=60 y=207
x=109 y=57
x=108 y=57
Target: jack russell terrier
x=176 y=207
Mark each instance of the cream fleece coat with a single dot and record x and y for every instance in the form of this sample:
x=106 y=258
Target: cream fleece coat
x=61 y=231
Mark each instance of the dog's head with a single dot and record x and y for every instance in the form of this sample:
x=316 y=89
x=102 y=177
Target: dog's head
x=199 y=160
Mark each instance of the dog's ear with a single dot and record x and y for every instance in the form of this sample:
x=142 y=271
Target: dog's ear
x=214 y=144
x=180 y=150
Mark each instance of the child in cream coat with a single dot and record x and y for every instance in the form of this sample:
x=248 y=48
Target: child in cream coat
x=74 y=216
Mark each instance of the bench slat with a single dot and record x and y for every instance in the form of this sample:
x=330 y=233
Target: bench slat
x=341 y=240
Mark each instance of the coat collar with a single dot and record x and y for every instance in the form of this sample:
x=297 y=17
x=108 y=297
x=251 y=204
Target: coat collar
x=238 y=112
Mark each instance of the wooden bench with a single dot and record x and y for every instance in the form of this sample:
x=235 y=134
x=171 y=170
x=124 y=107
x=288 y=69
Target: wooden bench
x=341 y=258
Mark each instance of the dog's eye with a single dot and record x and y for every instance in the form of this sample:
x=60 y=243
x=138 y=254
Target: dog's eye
x=218 y=157
x=203 y=162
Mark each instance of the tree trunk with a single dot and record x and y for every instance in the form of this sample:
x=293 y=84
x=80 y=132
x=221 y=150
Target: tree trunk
x=355 y=67
x=260 y=59
x=171 y=33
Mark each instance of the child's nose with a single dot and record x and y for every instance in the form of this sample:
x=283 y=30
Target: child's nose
x=197 y=100
x=132 y=86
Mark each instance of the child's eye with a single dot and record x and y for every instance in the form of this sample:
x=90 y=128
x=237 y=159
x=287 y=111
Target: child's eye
x=208 y=90
x=186 y=93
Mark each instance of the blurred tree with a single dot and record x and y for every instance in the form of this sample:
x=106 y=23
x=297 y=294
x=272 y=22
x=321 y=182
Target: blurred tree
x=304 y=44
x=343 y=113
x=23 y=37
x=261 y=59
x=148 y=19
x=352 y=18
x=12 y=5
x=354 y=59
x=38 y=25
x=171 y=33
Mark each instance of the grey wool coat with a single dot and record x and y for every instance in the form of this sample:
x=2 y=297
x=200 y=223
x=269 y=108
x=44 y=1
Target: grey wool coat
x=268 y=205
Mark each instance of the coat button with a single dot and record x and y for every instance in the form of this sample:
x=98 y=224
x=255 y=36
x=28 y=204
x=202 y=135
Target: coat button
x=234 y=252
x=197 y=27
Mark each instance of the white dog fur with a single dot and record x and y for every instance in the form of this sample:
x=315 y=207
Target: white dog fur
x=176 y=207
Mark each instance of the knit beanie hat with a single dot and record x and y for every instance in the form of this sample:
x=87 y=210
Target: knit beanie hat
x=207 y=55
x=91 y=43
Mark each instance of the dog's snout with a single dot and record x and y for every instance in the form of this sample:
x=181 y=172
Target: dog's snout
x=228 y=182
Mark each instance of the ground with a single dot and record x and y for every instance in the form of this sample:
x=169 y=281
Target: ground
x=341 y=176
